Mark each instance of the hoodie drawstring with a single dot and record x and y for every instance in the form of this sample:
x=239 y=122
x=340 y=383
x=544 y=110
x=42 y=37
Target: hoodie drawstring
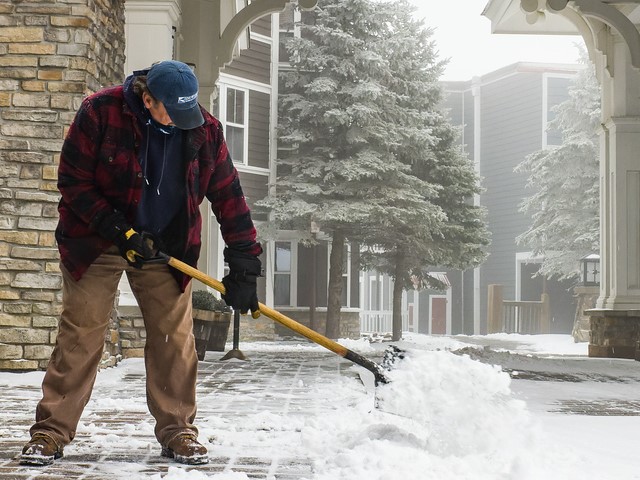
x=164 y=163
x=146 y=157
x=164 y=160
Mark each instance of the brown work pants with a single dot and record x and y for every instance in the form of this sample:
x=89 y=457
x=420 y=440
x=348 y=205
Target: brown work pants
x=170 y=357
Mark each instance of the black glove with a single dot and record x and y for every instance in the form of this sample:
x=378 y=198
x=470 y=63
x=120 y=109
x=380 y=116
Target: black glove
x=134 y=247
x=240 y=283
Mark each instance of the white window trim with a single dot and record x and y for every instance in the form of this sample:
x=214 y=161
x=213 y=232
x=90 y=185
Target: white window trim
x=545 y=104
x=293 y=273
x=348 y=272
x=297 y=17
x=260 y=37
x=223 y=118
x=243 y=83
x=375 y=284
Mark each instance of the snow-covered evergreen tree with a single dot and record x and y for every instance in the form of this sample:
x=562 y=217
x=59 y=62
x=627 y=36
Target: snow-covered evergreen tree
x=565 y=205
x=426 y=143
x=373 y=160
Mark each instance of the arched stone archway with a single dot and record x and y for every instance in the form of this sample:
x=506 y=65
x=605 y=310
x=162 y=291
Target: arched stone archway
x=610 y=31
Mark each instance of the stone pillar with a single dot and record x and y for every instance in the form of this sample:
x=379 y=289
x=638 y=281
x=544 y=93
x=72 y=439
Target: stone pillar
x=615 y=320
x=51 y=55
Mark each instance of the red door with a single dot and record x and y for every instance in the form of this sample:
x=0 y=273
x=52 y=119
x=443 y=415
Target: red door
x=438 y=315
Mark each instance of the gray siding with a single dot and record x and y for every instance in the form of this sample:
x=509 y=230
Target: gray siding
x=262 y=26
x=254 y=188
x=511 y=114
x=556 y=94
x=259 y=108
x=469 y=125
x=511 y=122
x=253 y=63
x=459 y=103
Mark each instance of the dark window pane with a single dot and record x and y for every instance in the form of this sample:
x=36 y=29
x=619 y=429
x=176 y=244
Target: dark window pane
x=235 y=106
x=231 y=105
x=235 y=143
x=345 y=287
x=283 y=257
x=281 y=294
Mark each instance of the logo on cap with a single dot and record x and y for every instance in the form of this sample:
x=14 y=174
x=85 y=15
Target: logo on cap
x=188 y=99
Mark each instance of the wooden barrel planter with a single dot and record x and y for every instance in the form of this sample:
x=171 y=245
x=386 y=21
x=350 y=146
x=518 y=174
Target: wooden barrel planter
x=211 y=321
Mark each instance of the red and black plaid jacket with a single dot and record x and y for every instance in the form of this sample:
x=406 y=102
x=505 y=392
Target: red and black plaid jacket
x=99 y=172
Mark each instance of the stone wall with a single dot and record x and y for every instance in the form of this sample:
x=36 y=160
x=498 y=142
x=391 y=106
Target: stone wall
x=614 y=334
x=262 y=329
x=349 y=322
x=52 y=53
x=586 y=298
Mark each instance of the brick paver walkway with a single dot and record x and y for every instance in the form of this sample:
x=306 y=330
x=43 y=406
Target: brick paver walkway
x=115 y=438
x=251 y=414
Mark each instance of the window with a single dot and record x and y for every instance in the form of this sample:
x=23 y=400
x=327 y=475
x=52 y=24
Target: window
x=282 y=274
x=346 y=293
x=236 y=123
x=283 y=53
x=289 y=28
x=374 y=292
x=233 y=108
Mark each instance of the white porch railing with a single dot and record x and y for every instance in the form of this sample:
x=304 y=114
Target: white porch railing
x=375 y=321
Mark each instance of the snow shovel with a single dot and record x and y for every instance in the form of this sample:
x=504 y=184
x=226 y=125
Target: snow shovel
x=335 y=347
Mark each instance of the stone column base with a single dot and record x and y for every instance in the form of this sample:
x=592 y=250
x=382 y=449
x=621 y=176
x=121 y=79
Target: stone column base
x=614 y=334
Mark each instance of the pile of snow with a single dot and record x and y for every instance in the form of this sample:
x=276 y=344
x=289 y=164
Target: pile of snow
x=442 y=414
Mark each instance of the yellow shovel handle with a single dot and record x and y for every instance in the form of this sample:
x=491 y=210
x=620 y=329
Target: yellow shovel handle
x=312 y=335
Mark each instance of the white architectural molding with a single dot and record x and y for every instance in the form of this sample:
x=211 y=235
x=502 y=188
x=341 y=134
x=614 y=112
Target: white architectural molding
x=149 y=32
x=241 y=20
x=596 y=21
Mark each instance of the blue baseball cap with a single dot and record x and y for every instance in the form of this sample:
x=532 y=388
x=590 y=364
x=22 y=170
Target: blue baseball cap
x=176 y=86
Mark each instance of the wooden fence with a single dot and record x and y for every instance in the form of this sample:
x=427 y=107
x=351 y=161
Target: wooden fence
x=510 y=316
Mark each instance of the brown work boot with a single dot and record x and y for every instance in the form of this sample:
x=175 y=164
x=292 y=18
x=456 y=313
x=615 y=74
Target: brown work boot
x=184 y=448
x=41 y=450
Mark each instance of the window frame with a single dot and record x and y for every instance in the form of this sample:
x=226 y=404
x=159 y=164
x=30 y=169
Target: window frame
x=292 y=272
x=222 y=116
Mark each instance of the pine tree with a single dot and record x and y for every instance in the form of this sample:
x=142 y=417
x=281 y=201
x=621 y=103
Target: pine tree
x=451 y=233
x=565 y=206
x=373 y=161
x=332 y=113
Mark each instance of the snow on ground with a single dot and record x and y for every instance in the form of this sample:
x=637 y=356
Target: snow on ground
x=442 y=416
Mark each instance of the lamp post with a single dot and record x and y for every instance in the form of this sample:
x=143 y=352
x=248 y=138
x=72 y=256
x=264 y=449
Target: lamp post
x=590 y=270
x=586 y=295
